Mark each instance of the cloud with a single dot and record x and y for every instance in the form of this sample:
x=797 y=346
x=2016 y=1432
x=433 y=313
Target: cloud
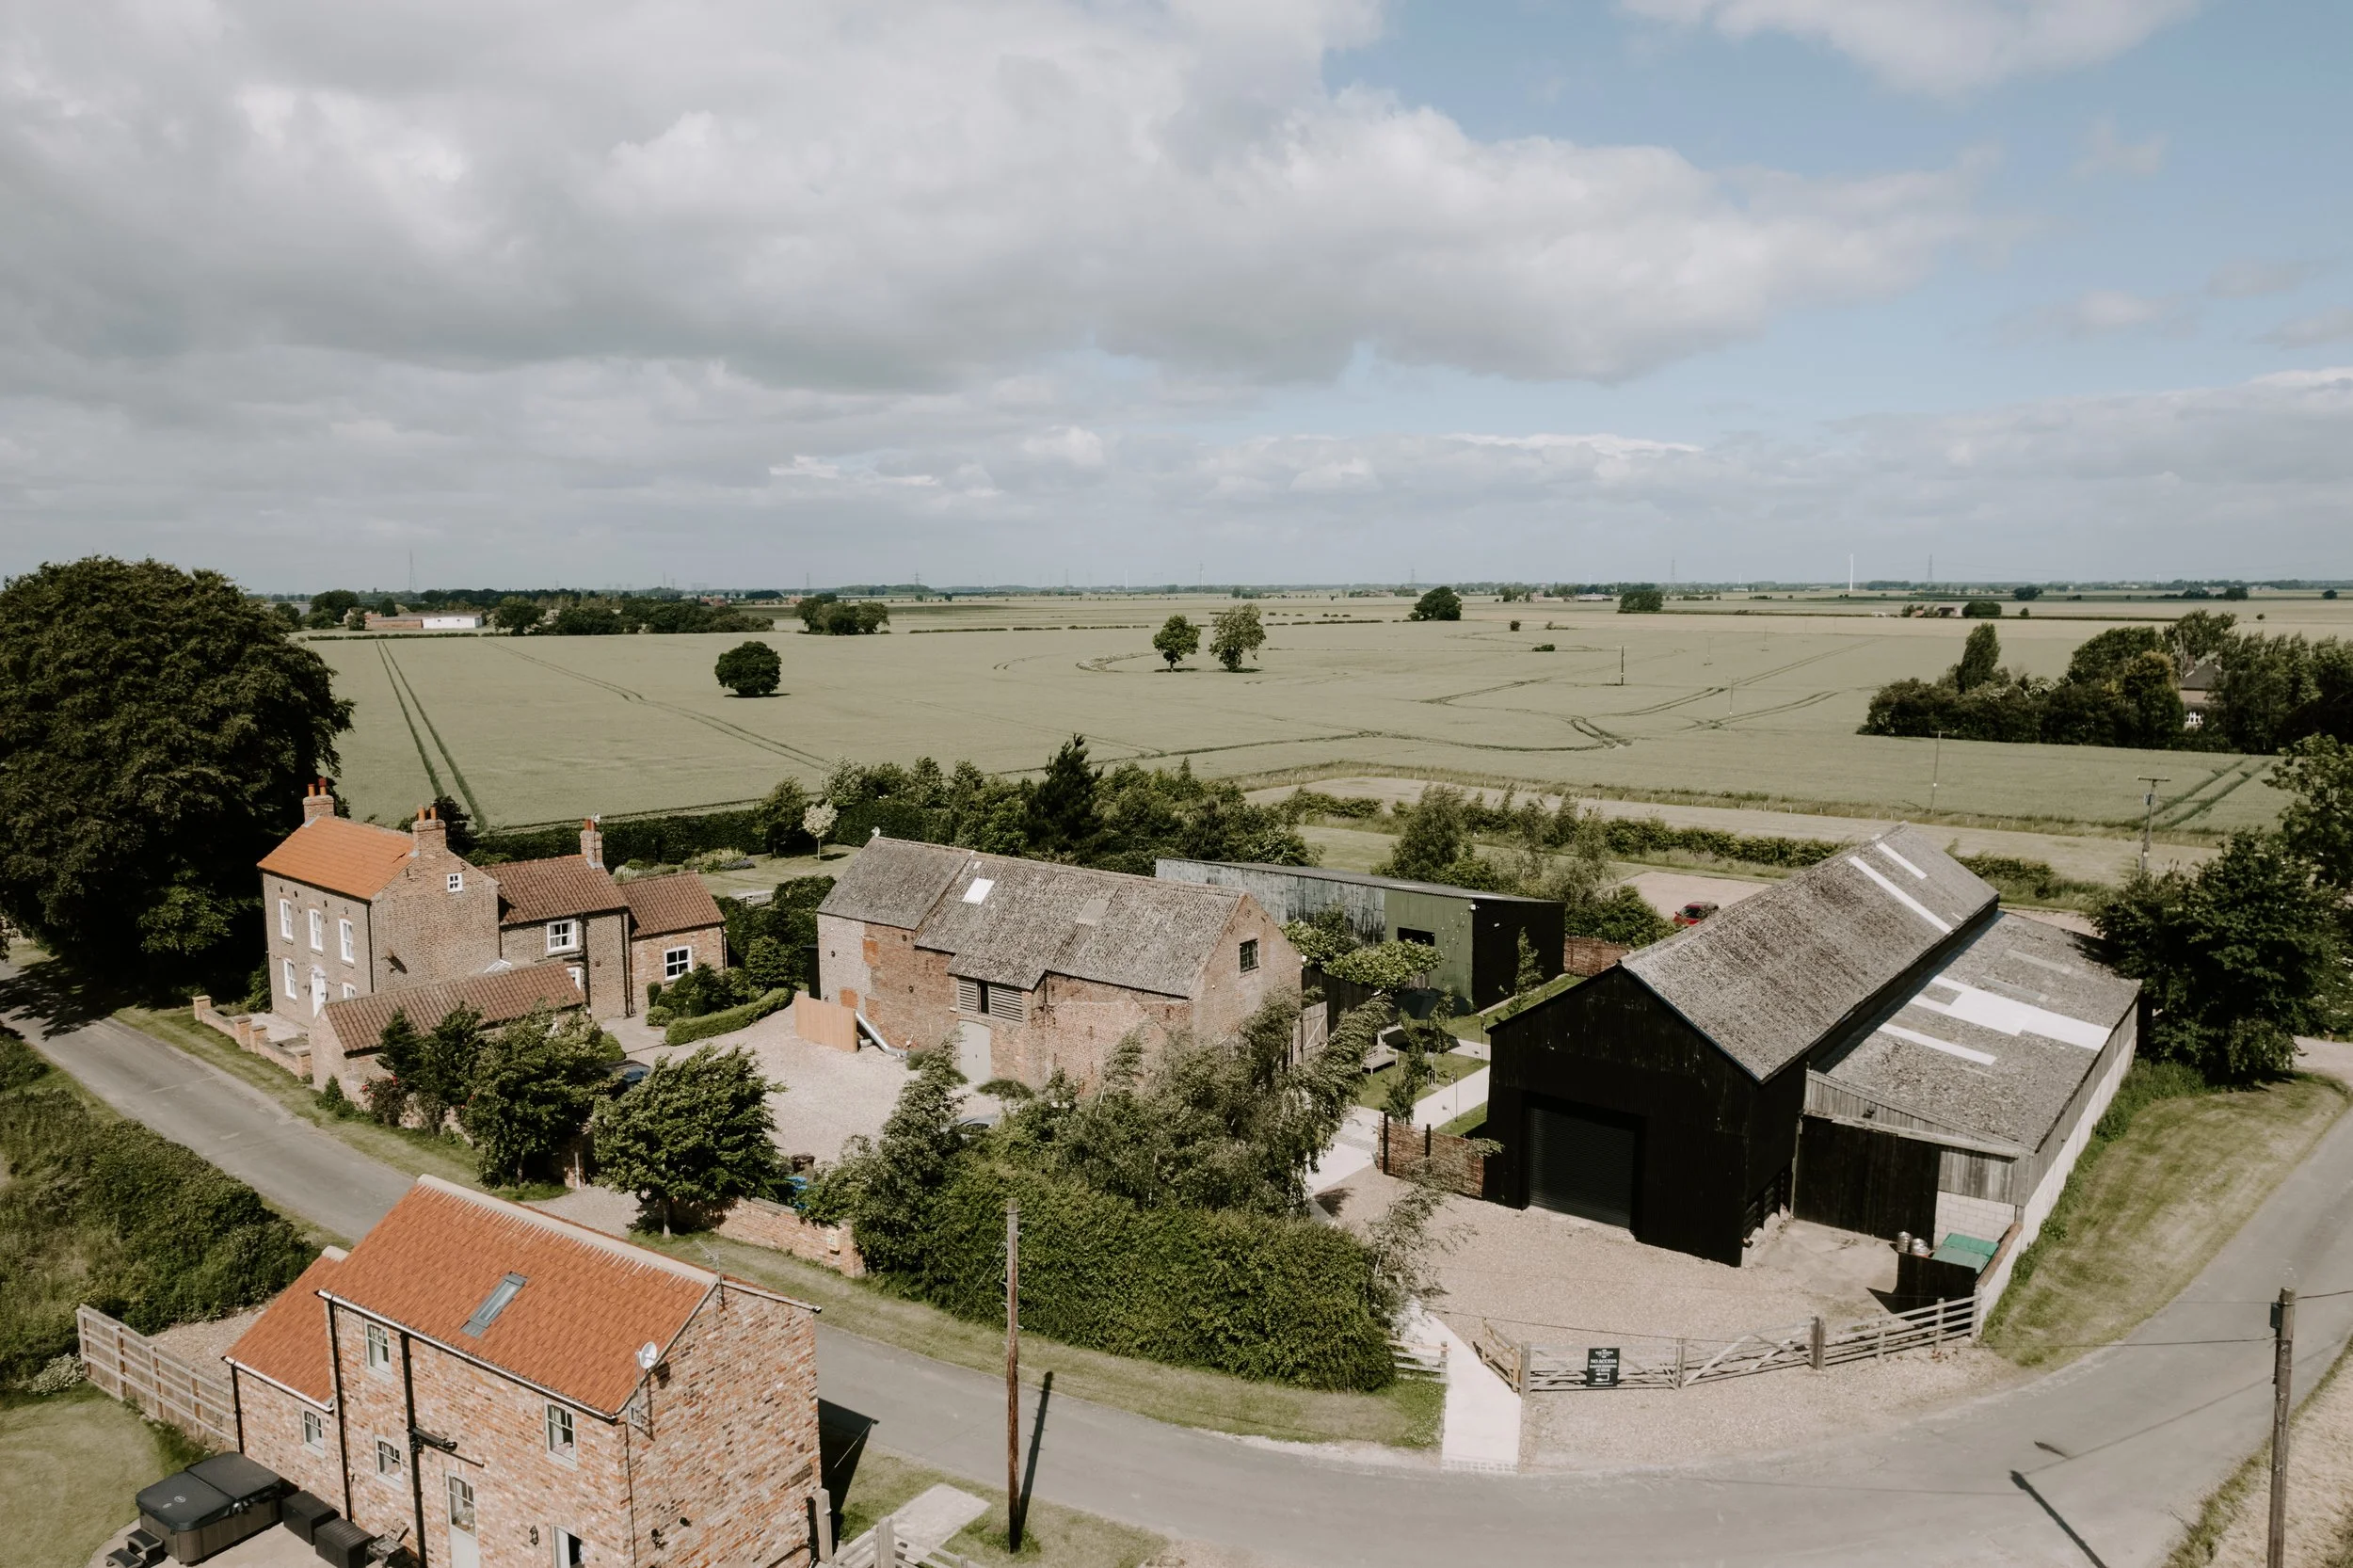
x=2103 y=312
x=2331 y=326
x=1942 y=48
x=2105 y=152
x=2249 y=278
x=835 y=196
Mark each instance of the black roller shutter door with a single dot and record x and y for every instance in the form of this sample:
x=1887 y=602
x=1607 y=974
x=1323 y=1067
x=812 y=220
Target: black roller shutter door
x=1581 y=1161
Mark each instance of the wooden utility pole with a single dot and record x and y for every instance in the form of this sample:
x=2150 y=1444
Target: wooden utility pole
x=2149 y=821
x=2283 y=1376
x=1012 y=1374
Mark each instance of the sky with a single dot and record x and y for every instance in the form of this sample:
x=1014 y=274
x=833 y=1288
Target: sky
x=734 y=292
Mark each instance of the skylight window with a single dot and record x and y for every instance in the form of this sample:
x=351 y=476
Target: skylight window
x=487 y=1313
x=978 y=893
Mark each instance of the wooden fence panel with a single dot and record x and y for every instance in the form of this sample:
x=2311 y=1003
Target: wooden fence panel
x=130 y=1367
x=1551 y=1369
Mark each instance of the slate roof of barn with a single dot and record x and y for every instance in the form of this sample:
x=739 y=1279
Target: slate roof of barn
x=1036 y=917
x=1996 y=1044
x=1768 y=978
x=1180 y=869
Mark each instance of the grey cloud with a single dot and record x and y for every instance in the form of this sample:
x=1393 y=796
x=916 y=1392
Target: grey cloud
x=2331 y=326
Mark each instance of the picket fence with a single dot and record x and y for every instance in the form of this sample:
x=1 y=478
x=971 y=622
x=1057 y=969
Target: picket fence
x=1532 y=1368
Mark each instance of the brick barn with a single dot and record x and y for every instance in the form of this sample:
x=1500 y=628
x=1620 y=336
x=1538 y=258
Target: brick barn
x=468 y=1379
x=1031 y=967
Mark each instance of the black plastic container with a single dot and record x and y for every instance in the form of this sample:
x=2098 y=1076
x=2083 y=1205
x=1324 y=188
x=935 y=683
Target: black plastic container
x=302 y=1514
x=341 y=1544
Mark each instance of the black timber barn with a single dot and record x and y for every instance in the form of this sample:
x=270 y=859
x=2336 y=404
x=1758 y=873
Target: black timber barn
x=1671 y=1092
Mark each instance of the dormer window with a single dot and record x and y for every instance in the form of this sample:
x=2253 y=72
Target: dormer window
x=458 y=882
x=562 y=936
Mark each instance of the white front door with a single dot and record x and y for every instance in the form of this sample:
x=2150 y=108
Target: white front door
x=318 y=991
x=465 y=1549
x=972 y=1058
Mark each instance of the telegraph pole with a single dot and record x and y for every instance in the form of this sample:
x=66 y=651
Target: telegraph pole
x=1936 y=770
x=2149 y=820
x=1012 y=1374
x=2282 y=1374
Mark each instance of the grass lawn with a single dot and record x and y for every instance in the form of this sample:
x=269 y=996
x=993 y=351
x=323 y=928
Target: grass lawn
x=2148 y=1208
x=1450 y=1069
x=69 y=1467
x=1405 y=1414
x=1051 y=1537
x=404 y=1150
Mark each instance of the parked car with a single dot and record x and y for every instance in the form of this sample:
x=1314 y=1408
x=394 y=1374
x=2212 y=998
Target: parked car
x=1692 y=914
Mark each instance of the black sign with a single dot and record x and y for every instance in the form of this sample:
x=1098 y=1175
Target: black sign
x=1601 y=1366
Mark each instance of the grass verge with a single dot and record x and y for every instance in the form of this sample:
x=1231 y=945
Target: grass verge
x=2173 y=1171
x=1450 y=1069
x=1051 y=1537
x=2320 y=1502
x=1405 y=1415
x=402 y=1148
x=69 y=1465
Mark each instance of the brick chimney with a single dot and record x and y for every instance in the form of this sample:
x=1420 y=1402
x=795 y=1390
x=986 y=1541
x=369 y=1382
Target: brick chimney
x=317 y=801
x=429 y=831
x=592 y=844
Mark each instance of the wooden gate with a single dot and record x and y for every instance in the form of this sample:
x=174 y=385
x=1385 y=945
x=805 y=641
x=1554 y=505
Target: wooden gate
x=129 y=1366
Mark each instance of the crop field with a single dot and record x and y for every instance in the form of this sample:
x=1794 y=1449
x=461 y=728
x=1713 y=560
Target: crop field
x=1712 y=706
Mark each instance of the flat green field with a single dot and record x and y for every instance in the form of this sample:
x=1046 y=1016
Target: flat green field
x=1716 y=705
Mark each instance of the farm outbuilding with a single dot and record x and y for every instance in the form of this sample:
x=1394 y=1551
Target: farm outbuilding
x=1477 y=934
x=1872 y=1043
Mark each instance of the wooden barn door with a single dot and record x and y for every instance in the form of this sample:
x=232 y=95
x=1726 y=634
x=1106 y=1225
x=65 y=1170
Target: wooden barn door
x=1583 y=1162
x=1873 y=1183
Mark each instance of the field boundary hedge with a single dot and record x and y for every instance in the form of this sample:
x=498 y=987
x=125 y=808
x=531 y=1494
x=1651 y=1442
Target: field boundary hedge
x=1278 y=1299
x=664 y=837
x=727 y=1019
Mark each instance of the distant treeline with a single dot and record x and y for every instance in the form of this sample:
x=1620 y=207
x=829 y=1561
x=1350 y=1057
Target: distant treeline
x=2123 y=688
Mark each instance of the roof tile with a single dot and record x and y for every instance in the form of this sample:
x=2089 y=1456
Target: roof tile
x=501 y=997
x=287 y=1344
x=659 y=905
x=353 y=859
x=535 y=890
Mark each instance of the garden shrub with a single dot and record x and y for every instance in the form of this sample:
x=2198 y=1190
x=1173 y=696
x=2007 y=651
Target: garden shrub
x=728 y=1020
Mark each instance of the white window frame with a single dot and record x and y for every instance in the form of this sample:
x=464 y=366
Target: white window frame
x=677 y=963
x=580 y=977
x=318 y=930
x=314 y=1432
x=293 y=989
x=350 y=990
x=285 y=918
x=564 y=1449
x=563 y=935
x=458 y=882
x=390 y=1462
x=342 y=938
x=378 y=1349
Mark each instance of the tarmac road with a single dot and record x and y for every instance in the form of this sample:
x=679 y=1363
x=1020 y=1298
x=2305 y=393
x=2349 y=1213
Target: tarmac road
x=2096 y=1465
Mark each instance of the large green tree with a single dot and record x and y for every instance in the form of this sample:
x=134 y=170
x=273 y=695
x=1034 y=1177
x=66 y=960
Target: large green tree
x=1177 y=638
x=2318 y=824
x=532 y=1086
x=749 y=669
x=1235 y=635
x=156 y=729
x=1439 y=603
x=695 y=1131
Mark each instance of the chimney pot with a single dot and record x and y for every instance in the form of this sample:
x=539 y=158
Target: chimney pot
x=428 y=829
x=317 y=801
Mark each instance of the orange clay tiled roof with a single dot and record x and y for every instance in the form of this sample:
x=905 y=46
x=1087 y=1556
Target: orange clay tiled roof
x=535 y=890
x=287 y=1344
x=587 y=1302
x=353 y=859
x=500 y=997
x=661 y=905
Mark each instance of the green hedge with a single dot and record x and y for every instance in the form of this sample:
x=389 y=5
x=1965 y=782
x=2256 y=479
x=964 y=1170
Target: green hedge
x=666 y=839
x=687 y=1031
x=1286 y=1301
x=100 y=1210
x=1632 y=835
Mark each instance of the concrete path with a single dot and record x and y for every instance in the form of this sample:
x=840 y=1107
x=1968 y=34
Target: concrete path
x=2094 y=1465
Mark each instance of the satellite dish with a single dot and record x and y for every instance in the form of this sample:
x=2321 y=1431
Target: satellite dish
x=648 y=1353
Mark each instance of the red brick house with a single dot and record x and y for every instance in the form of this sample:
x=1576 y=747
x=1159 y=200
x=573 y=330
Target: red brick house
x=474 y=1378
x=354 y=910
x=345 y=1037
x=1031 y=967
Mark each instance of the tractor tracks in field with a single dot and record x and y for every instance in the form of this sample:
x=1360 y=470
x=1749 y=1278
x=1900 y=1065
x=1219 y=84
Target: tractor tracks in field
x=2208 y=792
x=412 y=713
x=734 y=731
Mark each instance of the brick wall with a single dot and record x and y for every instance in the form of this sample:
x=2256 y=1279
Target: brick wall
x=710 y=947
x=1589 y=955
x=1441 y=1159
x=301 y=900
x=772 y=1224
x=273 y=1437
x=425 y=933
x=602 y=957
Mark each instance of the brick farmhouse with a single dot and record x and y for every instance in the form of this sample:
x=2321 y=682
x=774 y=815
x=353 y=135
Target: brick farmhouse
x=471 y=1380
x=1033 y=967
x=357 y=912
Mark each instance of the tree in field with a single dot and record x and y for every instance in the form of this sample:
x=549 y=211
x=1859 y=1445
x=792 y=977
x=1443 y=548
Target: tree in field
x=156 y=729
x=1980 y=659
x=1236 y=634
x=1642 y=602
x=749 y=669
x=2025 y=593
x=1981 y=609
x=2317 y=825
x=1439 y=603
x=532 y=1085
x=1177 y=638
x=2236 y=960
x=516 y=614
x=697 y=1131
x=328 y=610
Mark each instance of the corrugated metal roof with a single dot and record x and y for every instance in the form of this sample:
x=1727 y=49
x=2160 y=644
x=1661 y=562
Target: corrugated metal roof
x=1180 y=870
x=1770 y=977
x=1011 y=921
x=1998 y=1040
